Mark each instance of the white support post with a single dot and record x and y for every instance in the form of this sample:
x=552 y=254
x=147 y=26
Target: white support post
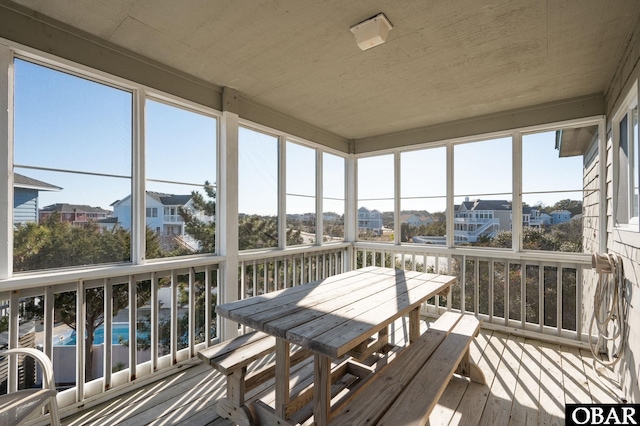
x=516 y=205
x=450 y=201
x=319 y=197
x=282 y=196
x=351 y=208
x=396 y=200
x=227 y=236
x=6 y=166
x=138 y=195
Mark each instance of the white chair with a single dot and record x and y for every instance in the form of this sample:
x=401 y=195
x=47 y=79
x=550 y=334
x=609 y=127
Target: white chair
x=15 y=407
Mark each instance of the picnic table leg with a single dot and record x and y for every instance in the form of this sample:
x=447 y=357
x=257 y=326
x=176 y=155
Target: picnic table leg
x=283 y=364
x=321 y=389
x=414 y=324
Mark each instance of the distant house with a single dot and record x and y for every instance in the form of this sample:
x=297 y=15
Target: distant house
x=370 y=220
x=560 y=216
x=476 y=218
x=415 y=220
x=25 y=197
x=76 y=214
x=162 y=217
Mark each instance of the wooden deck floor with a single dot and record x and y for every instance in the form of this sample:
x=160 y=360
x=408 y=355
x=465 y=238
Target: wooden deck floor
x=528 y=383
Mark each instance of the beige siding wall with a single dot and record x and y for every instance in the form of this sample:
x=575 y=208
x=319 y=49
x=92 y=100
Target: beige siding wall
x=625 y=243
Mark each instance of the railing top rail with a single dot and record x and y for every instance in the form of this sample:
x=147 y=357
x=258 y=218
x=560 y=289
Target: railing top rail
x=249 y=255
x=486 y=252
x=63 y=276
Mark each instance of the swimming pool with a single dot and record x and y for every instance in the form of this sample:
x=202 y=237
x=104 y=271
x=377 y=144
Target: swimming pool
x=118 y=329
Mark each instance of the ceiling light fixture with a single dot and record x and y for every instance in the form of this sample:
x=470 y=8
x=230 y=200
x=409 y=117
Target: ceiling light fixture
x=371 y=32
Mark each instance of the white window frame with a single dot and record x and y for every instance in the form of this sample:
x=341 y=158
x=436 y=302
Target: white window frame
x=623 y=190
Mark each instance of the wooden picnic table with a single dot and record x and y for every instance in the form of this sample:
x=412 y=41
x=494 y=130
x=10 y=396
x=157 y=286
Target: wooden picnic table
x=332 y=317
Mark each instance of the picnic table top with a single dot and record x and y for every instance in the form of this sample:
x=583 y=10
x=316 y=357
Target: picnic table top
x=333 y=315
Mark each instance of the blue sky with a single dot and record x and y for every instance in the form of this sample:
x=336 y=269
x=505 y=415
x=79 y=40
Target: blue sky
x=67 y=123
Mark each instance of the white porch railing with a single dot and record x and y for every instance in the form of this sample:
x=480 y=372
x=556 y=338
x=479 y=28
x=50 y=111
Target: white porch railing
x=533 y=292
x=168 y=306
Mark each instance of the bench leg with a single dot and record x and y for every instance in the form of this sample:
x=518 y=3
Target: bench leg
x=235 y=386
x=239 y=414
x=469 y=369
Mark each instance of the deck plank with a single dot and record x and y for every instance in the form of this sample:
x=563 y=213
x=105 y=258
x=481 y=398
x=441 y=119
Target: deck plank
x=525 y=404
x=576 y=385
x=600 y=383
x=498 y=408
x=527 y=382
x=552 y=399
x=475 y=398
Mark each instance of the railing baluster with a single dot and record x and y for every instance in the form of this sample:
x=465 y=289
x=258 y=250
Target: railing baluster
x=108 y=333
x=506 y=292
x=133 y=327
x=541 y=296
x=243 y=285
x=523 y=295
x=14 y=332
x=81 y=311
x=192 y=318
x=207 y=305
x=153 y=337
x=255 y=278
x=174 y=316
x=265 y=276
x=491 y=288
x=49 y=320
x=476 y=287
x=559 y=302
x=463 y=283
x=578 y=303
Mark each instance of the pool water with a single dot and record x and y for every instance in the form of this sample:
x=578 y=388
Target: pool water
x=118 y=329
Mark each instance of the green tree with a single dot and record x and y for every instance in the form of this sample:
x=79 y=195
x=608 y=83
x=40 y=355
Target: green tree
x=254 y=231
x=57 y=244
x=203 y=231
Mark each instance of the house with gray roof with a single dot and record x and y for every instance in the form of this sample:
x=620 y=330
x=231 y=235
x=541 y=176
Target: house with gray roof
x=476 y=218
x=162 y=217
x=26 y=192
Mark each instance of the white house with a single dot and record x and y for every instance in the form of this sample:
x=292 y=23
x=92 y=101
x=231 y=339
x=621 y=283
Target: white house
x=162 y=216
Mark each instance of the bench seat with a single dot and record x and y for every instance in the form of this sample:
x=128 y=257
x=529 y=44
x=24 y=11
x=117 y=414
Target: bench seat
x=407 y=389
x=232 y=357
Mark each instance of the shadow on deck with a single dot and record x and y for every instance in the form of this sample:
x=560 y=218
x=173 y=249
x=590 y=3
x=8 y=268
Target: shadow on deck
x=528 y=382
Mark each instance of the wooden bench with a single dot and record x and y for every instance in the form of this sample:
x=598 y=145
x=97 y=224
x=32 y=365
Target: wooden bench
x=407 y=389
x=232 y=357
